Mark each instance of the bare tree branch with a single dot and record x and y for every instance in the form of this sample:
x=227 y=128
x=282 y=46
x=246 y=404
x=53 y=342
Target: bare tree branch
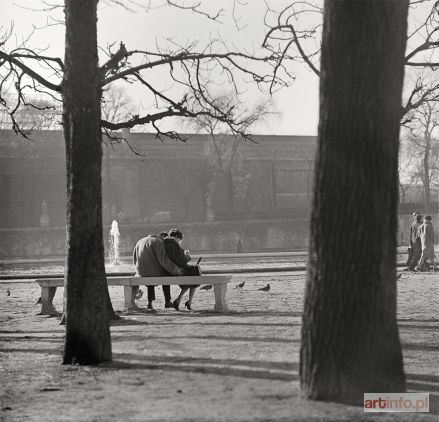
x=195 y=8
x=198 y=71
x=421 y=94
x=13 y=60
x=299 y=23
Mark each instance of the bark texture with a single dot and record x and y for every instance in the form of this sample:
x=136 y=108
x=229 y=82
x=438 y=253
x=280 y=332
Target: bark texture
x=350 y=341
x=86 y=303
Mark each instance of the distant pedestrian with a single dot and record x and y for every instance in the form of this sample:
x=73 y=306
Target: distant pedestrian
x=410 y=248
x=426 y=234
x=239 y=247
x=415 y=242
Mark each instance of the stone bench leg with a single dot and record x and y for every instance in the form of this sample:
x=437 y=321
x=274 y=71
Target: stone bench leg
x=47 y=294
x=130 y=295
x=220 y=297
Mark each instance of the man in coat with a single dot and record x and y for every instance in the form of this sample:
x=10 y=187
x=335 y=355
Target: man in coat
x=415 y=242
x=151 y=260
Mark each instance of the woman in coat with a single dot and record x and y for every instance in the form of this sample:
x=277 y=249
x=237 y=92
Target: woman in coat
x=426 y=234
x=180 y=257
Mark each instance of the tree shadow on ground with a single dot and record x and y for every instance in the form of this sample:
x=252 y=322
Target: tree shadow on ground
x=123 y=337
x=399 y=320
x=43 y=351
x=417 y=327
x=423 y=377
x=126 y=321
x=422 y=382
x=224 y=367
x=417 y=346
x=209 y=313
x=46 y=339
x=59 y=331
x=267 y=364
x=228 y=324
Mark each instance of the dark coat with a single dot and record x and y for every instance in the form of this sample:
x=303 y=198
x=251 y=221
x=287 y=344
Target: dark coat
x=414 y=233
x=150 y=258
x=178 y=257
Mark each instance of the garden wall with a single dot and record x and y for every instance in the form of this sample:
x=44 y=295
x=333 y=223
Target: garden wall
x=255 y=235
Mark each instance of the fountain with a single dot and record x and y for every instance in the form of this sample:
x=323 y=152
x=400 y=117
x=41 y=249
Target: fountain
x=114 y=244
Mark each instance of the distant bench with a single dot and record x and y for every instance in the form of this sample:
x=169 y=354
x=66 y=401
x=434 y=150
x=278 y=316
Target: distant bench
x=219 y=282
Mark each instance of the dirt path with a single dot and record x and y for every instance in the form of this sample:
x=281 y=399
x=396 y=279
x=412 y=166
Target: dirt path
x=200 y=366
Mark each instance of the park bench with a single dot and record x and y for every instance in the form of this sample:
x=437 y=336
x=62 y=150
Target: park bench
x=219 y=282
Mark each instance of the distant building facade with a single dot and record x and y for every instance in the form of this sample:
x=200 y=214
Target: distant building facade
x=169 y=181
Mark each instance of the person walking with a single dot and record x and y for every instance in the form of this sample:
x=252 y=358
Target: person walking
x=426 y=234
x=410 y=248
x=151 y=260
x=415 y=242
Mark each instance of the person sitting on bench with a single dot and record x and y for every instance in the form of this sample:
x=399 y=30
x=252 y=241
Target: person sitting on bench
x=151 y=260
x=181 y=257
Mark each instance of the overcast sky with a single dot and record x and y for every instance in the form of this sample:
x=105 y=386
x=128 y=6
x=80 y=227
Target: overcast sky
x=297 y=105
x=141 y=29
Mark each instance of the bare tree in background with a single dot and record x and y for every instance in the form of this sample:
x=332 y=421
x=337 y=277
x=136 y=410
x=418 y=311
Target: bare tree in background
x=423 y=147
x=223 y=147
x=117 y=106
x=350 y=342
x=37 y=114
x=188 y=182
x=78 y=81
x=407 y=177
x=294 y=34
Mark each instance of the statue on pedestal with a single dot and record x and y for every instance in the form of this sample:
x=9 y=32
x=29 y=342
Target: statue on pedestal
x=44 y=219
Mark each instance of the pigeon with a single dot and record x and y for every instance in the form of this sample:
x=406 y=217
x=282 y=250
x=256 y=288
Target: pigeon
x=139 y=295
x=206 y=287
x=8 y=292
x=398 y=276
x=240 y=285
x=265 y=289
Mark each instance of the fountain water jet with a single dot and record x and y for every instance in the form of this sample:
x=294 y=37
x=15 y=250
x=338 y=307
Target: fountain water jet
x=114 y=244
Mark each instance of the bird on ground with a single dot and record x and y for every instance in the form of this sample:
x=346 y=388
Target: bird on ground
x=206 y=287
x=265 y=289
x=139 y=295
x=240 y=285
x=398 y=276
x=8 y=292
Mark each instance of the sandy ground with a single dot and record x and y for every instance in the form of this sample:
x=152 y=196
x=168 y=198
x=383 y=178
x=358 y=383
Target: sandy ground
x=197 y=366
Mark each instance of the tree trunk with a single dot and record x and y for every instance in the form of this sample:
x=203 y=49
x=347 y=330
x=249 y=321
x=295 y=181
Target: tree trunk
x=86 y=312
x=350 y=342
